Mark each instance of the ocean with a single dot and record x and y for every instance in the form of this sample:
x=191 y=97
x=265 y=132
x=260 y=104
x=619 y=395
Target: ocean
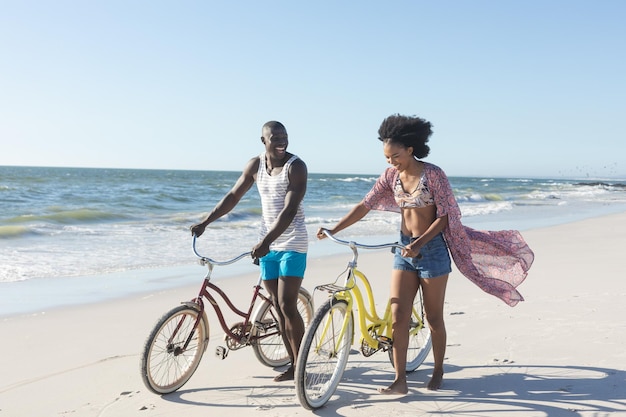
x=75 y=235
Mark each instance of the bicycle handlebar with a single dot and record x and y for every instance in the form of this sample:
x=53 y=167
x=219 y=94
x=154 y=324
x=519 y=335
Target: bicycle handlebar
x=213 y=261
x=353 y=244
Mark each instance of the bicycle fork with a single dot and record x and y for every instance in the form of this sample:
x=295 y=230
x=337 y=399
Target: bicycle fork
x=177 y=349
x=329 y=326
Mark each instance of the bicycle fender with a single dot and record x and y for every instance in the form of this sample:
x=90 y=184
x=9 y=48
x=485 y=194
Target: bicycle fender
x=261 y=307
x=257 y=311
x=191 y=304
x=308 y=296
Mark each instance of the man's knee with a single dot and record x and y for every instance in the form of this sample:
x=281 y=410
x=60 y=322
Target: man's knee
x=288 y=307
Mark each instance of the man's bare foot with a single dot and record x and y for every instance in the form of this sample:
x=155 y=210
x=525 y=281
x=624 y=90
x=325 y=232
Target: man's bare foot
x=288 y=375
x=397 y=388
x=435 y=381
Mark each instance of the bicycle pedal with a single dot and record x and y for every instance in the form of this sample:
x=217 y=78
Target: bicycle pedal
x=221 y=352
x=265 y=324
x=385 y=341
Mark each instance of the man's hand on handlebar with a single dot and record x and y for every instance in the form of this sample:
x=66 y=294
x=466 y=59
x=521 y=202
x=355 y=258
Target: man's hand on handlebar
x=197 y=229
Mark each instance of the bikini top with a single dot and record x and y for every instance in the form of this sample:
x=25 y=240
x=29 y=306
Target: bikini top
x=420 y=197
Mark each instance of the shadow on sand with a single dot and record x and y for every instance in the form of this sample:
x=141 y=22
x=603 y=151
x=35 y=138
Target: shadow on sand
x=542 y=390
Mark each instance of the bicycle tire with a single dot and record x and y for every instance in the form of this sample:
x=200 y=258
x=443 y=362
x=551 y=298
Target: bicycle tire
x=164 y=367
x=420 y=341
x=320 y=367
x=271 y=351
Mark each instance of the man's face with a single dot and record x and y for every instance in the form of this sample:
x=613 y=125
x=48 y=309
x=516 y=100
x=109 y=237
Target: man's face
x=276 y=142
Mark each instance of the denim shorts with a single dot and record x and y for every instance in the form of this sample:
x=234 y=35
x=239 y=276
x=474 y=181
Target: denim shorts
x=282 y=264
x=435 y=260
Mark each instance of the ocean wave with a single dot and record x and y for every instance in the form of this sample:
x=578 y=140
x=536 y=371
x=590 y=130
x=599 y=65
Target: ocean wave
x=242 y=215
x=604 y=185
x=7 y=232
x=485 y=208
x=358 y=179
x=580 y=192
x=236 y=220
x=539 y=195
x=70 y=217
x=349 y=179
x=477 y=197
x=12 y=273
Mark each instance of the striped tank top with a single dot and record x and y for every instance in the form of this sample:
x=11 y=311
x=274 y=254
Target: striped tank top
x=273 y=190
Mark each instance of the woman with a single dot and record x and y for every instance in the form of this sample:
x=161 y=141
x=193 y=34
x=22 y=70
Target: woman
x=431 y=225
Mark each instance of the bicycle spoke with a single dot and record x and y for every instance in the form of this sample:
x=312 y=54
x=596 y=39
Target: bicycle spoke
x=166 y=364
x=323 y=355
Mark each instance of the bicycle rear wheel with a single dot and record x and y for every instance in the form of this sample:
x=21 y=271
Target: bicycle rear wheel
x=324 y=354
x=419 y=336
x=270 y=350
x=166 y=365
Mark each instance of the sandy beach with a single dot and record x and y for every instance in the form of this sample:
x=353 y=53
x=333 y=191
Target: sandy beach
x=559 y=353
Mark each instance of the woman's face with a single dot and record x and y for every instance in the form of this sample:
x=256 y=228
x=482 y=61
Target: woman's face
x=398 y=155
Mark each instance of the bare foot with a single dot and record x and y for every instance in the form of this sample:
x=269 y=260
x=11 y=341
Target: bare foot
x=435 y=381
x=285 y=376
x=397 y=388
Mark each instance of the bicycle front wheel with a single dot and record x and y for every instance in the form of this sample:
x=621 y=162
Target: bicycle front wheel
x=324 y=354
x=419 y=336
x=268 y=346
x=173 y=350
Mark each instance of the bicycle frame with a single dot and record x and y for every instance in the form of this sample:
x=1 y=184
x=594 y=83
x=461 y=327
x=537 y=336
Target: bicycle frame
x=351 y=293
x=367 y=314
x=205 y=293
x=174 y=348
x=325 y=347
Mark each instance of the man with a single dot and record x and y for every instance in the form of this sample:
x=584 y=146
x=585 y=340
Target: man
x=281 y=179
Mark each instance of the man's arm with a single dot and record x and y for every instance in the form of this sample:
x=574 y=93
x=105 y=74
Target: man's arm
x=231 y=199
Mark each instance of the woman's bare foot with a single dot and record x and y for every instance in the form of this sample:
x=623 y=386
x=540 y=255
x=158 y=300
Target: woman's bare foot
x=435 y=381
x=397 y=388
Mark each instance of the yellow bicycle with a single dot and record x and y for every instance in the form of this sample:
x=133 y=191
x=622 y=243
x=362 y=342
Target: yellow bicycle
x=326 y=344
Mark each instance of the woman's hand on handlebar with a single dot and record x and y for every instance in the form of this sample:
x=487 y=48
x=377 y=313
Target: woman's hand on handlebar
x=411 y=251
x=320 y=233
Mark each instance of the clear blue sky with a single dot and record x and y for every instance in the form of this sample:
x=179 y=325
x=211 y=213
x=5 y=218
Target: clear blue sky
x=513 y=88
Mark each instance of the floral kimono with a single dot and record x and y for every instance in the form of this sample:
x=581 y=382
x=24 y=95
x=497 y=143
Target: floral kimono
x=497 y=262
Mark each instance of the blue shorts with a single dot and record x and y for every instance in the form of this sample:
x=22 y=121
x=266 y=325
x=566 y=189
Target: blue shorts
x=282 y=264
x=435 y=260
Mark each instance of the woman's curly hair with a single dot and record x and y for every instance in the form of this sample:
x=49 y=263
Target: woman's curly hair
x=407 y=131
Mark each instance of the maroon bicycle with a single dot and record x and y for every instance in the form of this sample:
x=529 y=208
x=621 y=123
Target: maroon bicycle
x=174 y=348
